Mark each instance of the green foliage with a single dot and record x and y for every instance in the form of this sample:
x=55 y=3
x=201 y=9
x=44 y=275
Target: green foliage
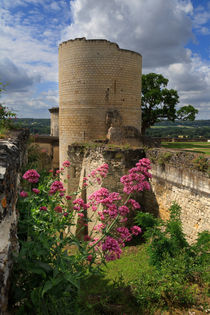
x=158 y=102
x=201 y=163
x=187 y=113
x=164 y=158
x=146 y=221
x=5 y=114
x=179 y=267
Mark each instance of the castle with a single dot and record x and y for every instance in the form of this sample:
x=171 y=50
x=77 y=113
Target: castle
x=99 y=94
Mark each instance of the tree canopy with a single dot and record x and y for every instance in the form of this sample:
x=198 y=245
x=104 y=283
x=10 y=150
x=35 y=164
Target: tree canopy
x=159 y=103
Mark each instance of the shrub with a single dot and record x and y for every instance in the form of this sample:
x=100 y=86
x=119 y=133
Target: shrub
x=177 y=265
x=201 y=163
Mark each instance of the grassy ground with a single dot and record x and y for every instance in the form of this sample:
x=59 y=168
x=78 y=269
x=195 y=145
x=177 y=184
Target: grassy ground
x=198 y=147
x=113 y=294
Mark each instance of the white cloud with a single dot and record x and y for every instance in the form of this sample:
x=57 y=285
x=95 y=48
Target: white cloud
x=158 y=29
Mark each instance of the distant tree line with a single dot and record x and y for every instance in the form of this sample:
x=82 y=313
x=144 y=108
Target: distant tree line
x=35 y=126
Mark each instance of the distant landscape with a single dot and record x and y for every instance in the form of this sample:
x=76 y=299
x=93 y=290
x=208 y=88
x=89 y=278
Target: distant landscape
x=165 y=129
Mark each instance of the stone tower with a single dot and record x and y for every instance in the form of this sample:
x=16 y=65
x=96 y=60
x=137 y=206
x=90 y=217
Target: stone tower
x=54 y=121
x=99 y=87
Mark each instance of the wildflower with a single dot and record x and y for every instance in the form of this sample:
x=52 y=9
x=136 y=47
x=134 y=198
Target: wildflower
x=81 y=215
x=124 y=234
x=89 y=258
x=36 y=191
x=66 y=164
x=123 y=211
x=65 y=214
x=137 y=177
x=61 y=194
x=68 y=197
x=23 y=194
x=111 y=248
x=31 y=176
x=134 y=204
x=56 y=186
x=50 y=171
x=43 y=208
x=58 y=209
x=135 y=230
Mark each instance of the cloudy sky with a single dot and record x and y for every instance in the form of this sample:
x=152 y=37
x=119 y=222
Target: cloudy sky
x=173 y=37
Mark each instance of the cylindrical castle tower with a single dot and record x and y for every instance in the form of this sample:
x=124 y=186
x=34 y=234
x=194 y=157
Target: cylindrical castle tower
x=96 y=78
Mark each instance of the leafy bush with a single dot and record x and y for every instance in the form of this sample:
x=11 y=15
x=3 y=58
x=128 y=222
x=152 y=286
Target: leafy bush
x=201 y=163
x=177 y=264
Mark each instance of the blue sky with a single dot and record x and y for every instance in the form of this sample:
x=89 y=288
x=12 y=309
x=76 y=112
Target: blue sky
x=173 y=37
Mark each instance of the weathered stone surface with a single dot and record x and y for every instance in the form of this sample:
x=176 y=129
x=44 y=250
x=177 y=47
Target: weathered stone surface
x=12 y=157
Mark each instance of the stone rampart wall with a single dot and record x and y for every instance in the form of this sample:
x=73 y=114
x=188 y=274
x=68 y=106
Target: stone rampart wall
x=12 y=157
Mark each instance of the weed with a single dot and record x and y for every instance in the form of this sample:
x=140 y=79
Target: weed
x=201 y=163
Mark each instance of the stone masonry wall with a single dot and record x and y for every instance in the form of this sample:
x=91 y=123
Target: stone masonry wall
x=96 y=80
x=174 y=181
x=177 y=180
x=12 y=157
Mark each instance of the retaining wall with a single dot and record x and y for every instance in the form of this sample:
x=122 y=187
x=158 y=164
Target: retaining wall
x=12 y=157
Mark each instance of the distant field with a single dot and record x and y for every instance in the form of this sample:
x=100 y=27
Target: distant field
x=198 y=147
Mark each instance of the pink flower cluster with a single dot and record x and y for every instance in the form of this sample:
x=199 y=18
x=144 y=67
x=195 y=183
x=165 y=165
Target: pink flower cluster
x=23 y=194
x=56 y=186
x=137 y=179
x=79 y=204
x=31 y=176
x=99 y=173
x=111 y=248
x=66 y=164
x=107 y=199
x=36 y=191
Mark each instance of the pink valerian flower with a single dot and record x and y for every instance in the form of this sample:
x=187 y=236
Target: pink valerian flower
x=36 y=191
x=111 y=248
x=61 y=194
x=66 y=164
x=81 y=215
x=80 y=204
x=56 y=186
x=135 y=230
x=137 y=177
x=123 y=211
x=58 y=172
x=68 y=197
x=23 y=194
x=124 y=234
x=58 y=209
x=31 y=176
x=89 y=258
x=65 y=214
x=99 y=227
x=99 y=173
x=43 y=208
x=134 y=204
x=50 y=171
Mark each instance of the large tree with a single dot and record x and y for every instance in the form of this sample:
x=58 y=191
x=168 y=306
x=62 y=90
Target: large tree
x=159 y=103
